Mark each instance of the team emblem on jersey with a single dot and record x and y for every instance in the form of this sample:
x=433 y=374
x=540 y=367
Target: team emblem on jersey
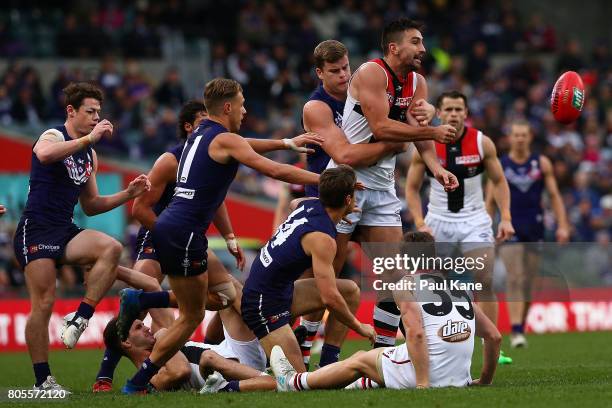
x=78 y=174
x=469 y=159
x=455 y=332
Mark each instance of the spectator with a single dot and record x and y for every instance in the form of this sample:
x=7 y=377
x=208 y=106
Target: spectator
x=170 y=92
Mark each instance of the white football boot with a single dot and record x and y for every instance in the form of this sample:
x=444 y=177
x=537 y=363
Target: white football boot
x=282 y=369
x=213 y=383
x=51 y=384
x=72 y=329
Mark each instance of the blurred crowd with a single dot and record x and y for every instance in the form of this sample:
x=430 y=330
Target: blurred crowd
x=267 y=47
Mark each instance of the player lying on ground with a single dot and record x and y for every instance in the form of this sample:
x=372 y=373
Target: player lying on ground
x=440 y=328
x=272 y=294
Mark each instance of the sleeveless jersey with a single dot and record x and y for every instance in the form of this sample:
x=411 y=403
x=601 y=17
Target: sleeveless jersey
x=166 y=196
x=400 y=92
x=526 y=186
x=55 y=188
x=464 y=159
x=283 y=260
x=318 y=161
x=202 y=183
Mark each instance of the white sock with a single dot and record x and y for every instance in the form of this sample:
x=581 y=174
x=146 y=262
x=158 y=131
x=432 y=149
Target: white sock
x=298 y=382
x=362 y=383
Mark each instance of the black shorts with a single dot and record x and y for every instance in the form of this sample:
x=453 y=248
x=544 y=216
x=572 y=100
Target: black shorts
x=527 y=230
x=264 y=313
x=144 y=245
x=35 y=240
x=181 y=251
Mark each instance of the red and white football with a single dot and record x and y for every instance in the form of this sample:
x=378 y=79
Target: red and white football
x=567 y=97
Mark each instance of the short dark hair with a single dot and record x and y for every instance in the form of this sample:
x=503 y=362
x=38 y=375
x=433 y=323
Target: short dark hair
x=218 y=91
x=112 y=340
x=329 y=51
x=452 y=95
x=394 y=29
x=335 y=184
x=426 y=243
x=188 y=115
x=75 y=92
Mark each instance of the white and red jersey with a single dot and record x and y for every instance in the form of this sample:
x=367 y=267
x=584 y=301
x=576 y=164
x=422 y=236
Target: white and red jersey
x=400 y=92
x=464 y=159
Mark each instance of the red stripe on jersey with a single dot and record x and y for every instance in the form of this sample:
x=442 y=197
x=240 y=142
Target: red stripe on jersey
x=407 y=82
x=383 y=332
x=441 y=153
x=469 y=148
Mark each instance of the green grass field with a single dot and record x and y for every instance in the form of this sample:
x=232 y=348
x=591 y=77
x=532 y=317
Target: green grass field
x=556 y=370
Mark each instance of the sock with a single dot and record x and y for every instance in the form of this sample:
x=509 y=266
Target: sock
x=329 y=354
x=108 y=365
x=144 y=374
x=518 y=328
x=299 y=382
x=311 y=333
x=149 y=300
x=386 y=321
x=41 y=371
x=362 y=383
x=85 y=310
x=232 y=386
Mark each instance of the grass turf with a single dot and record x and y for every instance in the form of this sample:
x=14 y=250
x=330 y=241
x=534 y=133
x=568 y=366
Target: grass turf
x=573 y=369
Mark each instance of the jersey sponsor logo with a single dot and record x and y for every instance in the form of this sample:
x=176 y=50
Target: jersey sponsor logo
x=469 y=159
x=182 y=192
x=277 y=317
x=264 y=257
x=43 y=247
x=148 y=250
x=455 y=332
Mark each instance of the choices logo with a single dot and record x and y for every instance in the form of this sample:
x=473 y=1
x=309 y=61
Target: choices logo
x=455 y=332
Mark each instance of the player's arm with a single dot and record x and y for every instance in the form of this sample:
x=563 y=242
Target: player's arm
x=297 y=144
x=500 y=189
x=322 y=248
x=319 y=118
x=231 y=145
x=375 y=106
x=556 y=201
x=416 y=340
x=492 y=344
x=490 y=199
x=222 y=222
x=414 y=180
x=282 y=207
x=162 y=173
x=93 y=203
x=51 y=147
x=420 y=109
x=175 y=372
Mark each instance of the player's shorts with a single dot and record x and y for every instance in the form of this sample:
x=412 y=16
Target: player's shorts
x=249 y=353
x=264 y=313
x=378 y=209
x=472 y=233
x=144 y=245
x=181 y=251
x=528 y=229
x=34 y=240
x=397 y=369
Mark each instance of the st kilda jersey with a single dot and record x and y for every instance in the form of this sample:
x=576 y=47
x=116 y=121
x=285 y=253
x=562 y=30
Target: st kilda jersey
x=464 y=159
x=400 y=92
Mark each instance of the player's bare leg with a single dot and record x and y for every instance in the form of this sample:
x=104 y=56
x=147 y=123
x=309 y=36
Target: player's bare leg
x=283 y=336
x=220 y=284
x=514 y=258
x=234 y=375
x=487 y=299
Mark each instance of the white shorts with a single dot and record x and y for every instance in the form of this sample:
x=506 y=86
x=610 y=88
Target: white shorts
x=397 y=369
x=472 y=233
x=379 y=208
x=249 y=353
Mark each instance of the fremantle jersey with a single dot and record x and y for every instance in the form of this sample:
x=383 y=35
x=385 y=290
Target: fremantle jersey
x=55 y=188
x=463 y=158
x=202 y=183
x=400 y=92
x=318 y=161
x=526 y=186
x=166 y=196
x=283 y=260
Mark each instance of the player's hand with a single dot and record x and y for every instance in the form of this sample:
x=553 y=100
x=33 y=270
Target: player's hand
x=445 y=134
x=446 y=178
x=359 y=186
x=2 y=210
x=425 y=228
x=367 y=331
x=563 y=235
x=346 y=219
x=138 y=186
x=505 y=231
x=478 y=383
x=103 y=128
x=298 y=143
x=234 y=248
x=423 y=112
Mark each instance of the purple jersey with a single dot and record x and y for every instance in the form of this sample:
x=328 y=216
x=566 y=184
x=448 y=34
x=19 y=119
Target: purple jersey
x=526 y=184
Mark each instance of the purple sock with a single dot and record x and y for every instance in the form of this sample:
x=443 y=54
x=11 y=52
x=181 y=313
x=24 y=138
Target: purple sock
x=232 y=386
x=41 y=371
x=149 y=300
x=329 y=354
x=518 y=328
x=85 y=310
x=108 y=365
x=145 y=373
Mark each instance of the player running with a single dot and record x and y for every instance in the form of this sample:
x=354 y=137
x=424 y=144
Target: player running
x=207 y=167
x=383 y=95
x=273 y=294
x=460 y=216
x=64 y=167
x=440 y=329
x=527 y=174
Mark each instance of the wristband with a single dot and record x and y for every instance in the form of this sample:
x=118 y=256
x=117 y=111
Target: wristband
x=232 y=244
